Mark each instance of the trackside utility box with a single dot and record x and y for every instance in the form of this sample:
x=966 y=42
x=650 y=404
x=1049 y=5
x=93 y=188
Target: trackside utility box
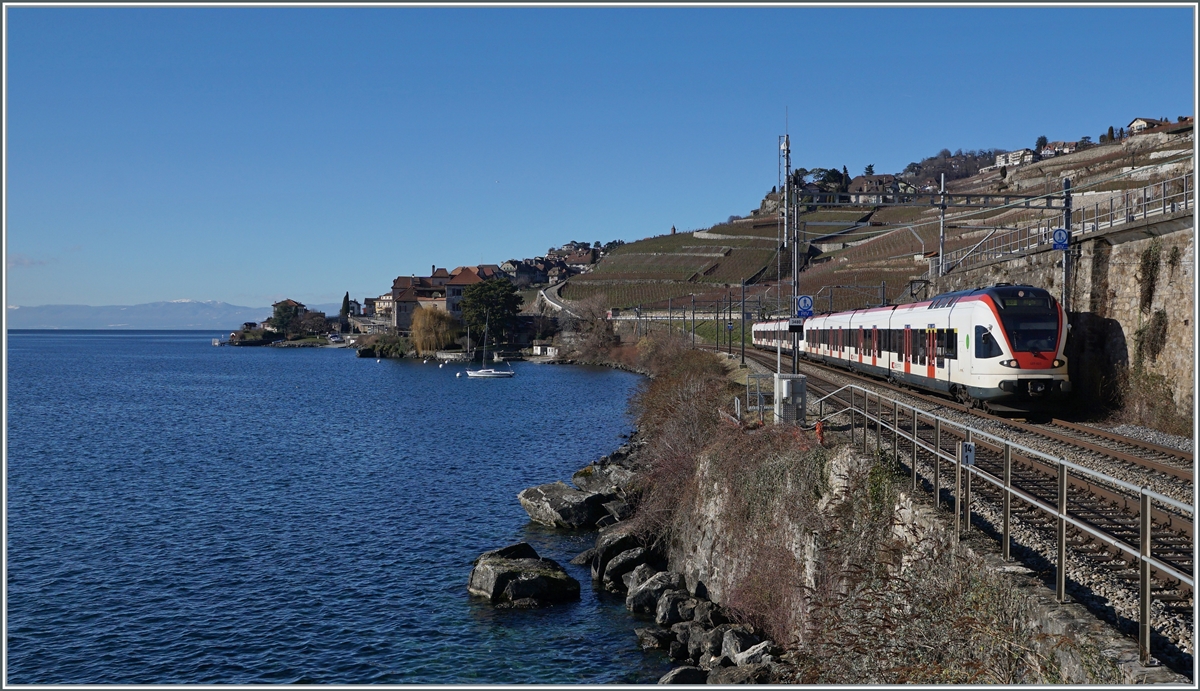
x=791 y=398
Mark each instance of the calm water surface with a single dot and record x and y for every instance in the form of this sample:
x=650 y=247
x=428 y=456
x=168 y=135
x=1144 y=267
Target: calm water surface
x=179 y=513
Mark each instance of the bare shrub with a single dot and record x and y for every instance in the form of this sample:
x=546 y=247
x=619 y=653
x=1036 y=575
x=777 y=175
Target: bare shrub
x=594 y=335
x=1145 y=399
x=677 y=412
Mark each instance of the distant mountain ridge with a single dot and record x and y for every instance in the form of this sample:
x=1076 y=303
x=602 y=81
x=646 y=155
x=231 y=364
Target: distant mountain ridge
x=170 y=314
x=174 y=314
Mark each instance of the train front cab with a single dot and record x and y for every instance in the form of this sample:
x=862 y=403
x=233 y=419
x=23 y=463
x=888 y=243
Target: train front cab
x=1015 y=345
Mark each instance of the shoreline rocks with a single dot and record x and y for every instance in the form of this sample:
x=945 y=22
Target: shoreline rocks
x=695 y=632
x=516 y=577
x=558 y=505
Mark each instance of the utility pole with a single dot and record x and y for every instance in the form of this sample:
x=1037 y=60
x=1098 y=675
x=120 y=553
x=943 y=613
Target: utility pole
x=729 y=321
x=783 y=162
x=942 y=231
x=693 y=320
x=743 y=316
x=717 y=321
x=1066 y=272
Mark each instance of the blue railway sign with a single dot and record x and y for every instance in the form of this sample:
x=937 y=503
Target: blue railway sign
x=1062 y=238
x=804 y=306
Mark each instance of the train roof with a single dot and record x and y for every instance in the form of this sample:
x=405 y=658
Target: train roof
x=998 y=292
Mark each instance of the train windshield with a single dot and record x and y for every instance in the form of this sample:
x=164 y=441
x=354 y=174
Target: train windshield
x=1031 y=323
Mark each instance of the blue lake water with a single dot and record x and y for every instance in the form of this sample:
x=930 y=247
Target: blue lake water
x=179 y=513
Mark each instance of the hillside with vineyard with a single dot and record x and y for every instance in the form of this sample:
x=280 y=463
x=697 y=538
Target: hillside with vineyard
x=861 y=253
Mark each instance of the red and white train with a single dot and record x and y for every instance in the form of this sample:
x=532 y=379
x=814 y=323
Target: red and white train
x=998 y=347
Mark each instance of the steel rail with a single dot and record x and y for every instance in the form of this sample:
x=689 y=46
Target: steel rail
x=1185 y=474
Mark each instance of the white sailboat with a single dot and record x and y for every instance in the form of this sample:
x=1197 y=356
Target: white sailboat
x=489 y=372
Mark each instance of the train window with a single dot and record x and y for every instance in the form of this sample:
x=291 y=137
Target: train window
x=952 y=344
x=941 y=343
x=985 y=345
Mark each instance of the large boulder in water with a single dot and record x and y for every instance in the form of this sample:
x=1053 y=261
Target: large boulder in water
x=515 y=576
x=559 y=505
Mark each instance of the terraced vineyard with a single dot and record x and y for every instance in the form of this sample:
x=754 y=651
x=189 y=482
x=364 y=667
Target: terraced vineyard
x=703 y=263
x=674 y=266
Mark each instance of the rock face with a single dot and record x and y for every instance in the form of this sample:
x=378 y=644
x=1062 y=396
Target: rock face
x=559 y=505
x=516 y=577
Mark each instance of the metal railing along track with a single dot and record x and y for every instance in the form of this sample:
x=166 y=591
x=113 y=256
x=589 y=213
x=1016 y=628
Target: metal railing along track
x=1077 y=499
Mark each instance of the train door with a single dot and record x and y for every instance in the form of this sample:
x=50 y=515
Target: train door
x=874 y=345
x=907 y=349
x=931 y=354
x=860 y=345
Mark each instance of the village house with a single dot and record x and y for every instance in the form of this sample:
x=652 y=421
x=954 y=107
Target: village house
x=406 y=301
x=300 y=311
x=300 y=308
x=1012 y=159
x=812 y=193
x=384 y=304
x=462 y=277
x=878 y=189
x=1138 y=125
x=581 y=258
x=368 y=307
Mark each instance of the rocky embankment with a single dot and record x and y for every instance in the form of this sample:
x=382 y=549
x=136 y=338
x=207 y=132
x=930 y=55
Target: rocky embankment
x=696 y=633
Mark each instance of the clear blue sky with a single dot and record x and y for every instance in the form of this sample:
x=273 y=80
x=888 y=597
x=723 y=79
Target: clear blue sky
x=247 y=154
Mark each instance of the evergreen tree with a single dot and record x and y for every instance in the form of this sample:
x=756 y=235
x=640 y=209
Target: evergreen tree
x=869 y=170
x=494 y=303
x=1110 y=133
x=1042 y=142
x=345 y=311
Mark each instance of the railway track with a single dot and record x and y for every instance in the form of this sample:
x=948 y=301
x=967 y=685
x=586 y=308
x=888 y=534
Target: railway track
x=1082 y=517
x=1131 y=452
